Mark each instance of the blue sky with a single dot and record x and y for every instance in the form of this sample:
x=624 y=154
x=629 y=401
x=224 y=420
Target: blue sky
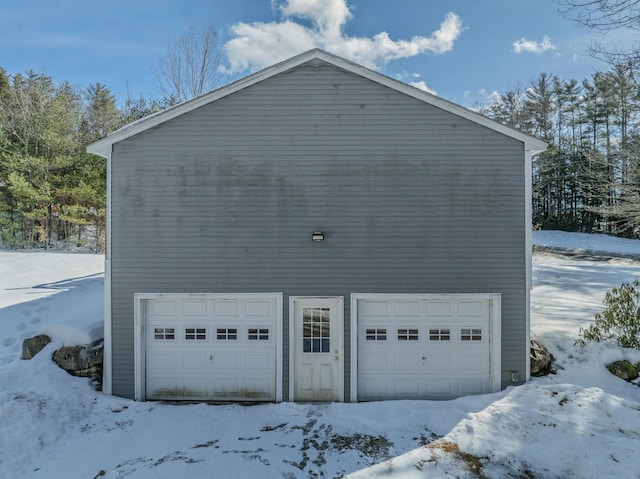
x=463 y=50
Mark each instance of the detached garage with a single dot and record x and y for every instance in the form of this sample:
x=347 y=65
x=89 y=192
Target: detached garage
x=316 y=231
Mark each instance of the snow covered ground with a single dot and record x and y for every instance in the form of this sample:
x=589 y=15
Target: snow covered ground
x=580 y=423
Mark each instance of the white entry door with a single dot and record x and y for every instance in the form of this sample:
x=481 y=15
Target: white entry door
x=318 y=353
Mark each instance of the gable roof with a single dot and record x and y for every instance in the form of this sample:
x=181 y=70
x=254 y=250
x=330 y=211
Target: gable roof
x=103 y=147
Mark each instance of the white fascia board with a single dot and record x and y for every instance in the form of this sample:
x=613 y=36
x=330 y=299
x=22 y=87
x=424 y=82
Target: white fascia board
x=102 y=147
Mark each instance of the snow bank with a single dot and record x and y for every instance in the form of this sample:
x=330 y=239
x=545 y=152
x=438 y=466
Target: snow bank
x=581 y=422
x=57 y=294
x=586 y=242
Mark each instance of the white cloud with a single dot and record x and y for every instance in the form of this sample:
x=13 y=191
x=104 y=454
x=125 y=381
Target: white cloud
x=423 y=86
x=328 y=15
x=258 y=45
x=413 y=80
x=530 y=46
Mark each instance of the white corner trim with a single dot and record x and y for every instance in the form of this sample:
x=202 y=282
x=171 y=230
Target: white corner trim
x=354 y=348
x=528 y=254
x=292 y=299
x=495 y=308
x=107 y=371
x=107 y=368
x=528 y=212
x=139 y=346
x=279 y=345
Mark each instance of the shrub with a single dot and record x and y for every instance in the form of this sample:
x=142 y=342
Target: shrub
x=620 y=320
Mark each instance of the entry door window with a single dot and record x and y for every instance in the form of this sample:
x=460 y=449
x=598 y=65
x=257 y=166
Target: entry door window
x=316 y=330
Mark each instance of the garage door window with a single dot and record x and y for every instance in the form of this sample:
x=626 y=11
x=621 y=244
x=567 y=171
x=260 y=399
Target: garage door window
x=471 y=334
x=407 y=334
x=164 y=333
x=439 y=334
x=195 y=334
x=227 y=334
x=258 y=334
x=376 y=334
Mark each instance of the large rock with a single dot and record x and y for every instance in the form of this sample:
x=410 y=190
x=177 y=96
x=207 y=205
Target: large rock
x=624 y=370
x=32 y=346
x=540 y=358
x=85 y=361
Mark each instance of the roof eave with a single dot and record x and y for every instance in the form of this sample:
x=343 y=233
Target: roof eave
x=103 y=147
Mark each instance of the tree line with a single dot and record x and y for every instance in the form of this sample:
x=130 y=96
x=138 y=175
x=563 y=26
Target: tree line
x=588 y=180
x=51 y=190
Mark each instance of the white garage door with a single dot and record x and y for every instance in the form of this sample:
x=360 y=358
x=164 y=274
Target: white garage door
x=426 y=346
x=211 y=347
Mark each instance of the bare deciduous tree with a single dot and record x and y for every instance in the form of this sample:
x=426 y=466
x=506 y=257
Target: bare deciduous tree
x=191 y=65
x=607 y=16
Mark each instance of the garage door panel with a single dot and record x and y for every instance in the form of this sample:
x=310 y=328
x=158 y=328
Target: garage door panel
x=374 y=387
x=226 y=307
x=440 y=362
x=407 y=387
x=158 y=384
x=195 y=360
x=196 y=385
x=407 y=309
x=261 y=361
x=372 y=308
x=258 y=389
x=374 y=360
x=470 y=362
x=470 y=385
x=407 y=362
x=164 y=359
x=472 y=309
x=228 y=387
x=178 y=388
x=259 y=308
x=163 y=308
x=226 y=361
x=440 y=388
x=442 y=309
x=204 y=348
x=195 y=308
x=423 y=347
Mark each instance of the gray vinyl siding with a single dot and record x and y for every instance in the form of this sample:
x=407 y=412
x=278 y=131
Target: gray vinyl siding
x=411 y=199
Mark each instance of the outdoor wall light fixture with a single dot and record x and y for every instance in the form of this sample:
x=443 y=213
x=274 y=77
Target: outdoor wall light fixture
x=317 y=236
